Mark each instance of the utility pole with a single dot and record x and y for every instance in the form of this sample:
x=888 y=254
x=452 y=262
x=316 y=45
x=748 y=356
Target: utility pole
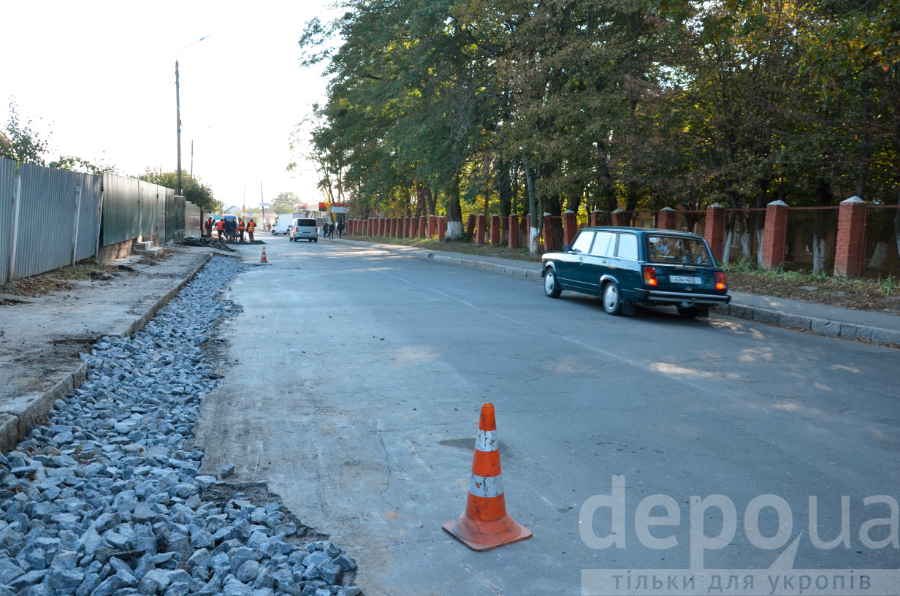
x=178 y=116
x=245 y=201
x=262 y=201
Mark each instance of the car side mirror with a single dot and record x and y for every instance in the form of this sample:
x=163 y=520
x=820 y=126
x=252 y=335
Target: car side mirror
x=566 y=248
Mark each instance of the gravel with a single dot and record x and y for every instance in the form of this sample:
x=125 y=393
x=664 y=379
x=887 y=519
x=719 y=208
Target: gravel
x=105 y=499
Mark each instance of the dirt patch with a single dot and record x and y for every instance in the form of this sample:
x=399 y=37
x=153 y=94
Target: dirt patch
x=879 y=295
x=58 y=280
x=462 y=246
x=157 y=256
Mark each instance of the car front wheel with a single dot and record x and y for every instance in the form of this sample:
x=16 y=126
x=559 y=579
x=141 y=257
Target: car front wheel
x=612 y=300
x=551 y=286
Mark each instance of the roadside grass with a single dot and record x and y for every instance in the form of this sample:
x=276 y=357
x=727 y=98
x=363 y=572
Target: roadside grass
x=465 y=246
x=878 y=292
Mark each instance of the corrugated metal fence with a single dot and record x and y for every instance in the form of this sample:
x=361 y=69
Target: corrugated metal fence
x=50 y=218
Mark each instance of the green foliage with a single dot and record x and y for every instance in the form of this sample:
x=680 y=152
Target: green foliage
x=20 y=141
x=192 y=188
x=606 y=103
x=82 y=165
x=284 y=202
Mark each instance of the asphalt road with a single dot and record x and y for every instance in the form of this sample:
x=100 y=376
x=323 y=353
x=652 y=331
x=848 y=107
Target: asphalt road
x=355 y=382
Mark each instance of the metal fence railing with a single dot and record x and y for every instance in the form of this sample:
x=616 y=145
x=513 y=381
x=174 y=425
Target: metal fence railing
x=50 y=217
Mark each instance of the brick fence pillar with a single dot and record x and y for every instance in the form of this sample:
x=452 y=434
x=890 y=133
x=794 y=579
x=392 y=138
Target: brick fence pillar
x=409 y=225
x=514 y=231
x=570 y=227
x=774 y=235
x=848 y=256
x=470 y=225
x=596 y=214
x=441 y=227
x=366 y=226
x=619 y=218
x=479 y=228
x=423 y=221
x=413 y=229
x=431 y=223
x=396 y=224
x=495 y=230
x=668 y=219
x=715 y=230
x=379 y=226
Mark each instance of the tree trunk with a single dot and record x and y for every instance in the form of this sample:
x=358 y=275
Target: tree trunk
x=820 y=229
x=408 y=197
x=454 y=211
x=534 y=233
x=421 y=206
x=431 y=201
x=897 y=224
x=881 y=247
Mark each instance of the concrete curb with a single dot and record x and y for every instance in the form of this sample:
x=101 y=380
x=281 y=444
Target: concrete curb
x=27 y=410
x=150 y=312
x=815 y=325
x=767 y=316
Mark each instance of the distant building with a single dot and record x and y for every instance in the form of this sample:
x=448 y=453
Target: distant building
x=233 y=210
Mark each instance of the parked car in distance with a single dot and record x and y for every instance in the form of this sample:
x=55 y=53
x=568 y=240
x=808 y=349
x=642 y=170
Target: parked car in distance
x=627 y=266
x=302 y=228
x=282 y=224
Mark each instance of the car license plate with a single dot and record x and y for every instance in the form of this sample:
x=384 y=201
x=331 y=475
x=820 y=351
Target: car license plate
x=681 y=279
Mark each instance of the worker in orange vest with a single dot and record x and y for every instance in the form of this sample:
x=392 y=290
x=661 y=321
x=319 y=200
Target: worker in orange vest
x=241 y=229
x=250 y=227
x=208 y=225
x=220 y=229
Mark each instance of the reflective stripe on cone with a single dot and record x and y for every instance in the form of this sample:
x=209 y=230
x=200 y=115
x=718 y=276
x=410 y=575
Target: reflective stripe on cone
x=485 y=524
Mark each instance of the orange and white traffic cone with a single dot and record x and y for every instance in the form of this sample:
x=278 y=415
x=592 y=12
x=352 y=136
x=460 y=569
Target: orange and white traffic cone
x=485 y=524
x=263 y=259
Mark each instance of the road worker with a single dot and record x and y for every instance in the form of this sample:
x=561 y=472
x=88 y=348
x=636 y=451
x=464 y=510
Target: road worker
x=250 y=227
x=241 y=228
x=220 y=229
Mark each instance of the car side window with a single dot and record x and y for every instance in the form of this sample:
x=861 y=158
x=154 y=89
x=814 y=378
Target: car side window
x=628 y=247
x=583 y=242
x=604 y=244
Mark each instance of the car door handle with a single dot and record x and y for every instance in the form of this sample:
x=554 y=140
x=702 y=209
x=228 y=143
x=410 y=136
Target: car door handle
x=581 y=259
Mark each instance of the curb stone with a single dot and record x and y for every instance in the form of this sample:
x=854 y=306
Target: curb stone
x=766 y=316
x=27 y=410
x=816 y=325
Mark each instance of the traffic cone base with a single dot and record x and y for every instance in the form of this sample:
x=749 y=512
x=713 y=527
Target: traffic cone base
x=482 y=536
x=485 y=524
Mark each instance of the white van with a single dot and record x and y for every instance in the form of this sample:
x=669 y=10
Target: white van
x=303 y=227
x=282 y=224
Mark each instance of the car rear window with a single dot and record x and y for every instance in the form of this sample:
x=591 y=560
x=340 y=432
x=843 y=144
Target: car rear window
x=669 y=249
x=306 y=223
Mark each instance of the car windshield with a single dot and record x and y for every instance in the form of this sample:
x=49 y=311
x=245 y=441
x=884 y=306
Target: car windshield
x=669 y=249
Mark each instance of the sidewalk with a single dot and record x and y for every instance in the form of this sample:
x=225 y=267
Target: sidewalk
x=41 y=338
x=821 y=319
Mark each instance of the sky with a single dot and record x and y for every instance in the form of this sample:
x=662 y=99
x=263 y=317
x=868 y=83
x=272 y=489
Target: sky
x=100 y=76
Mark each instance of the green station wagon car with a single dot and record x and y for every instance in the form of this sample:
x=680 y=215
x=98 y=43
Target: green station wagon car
x=627 y=266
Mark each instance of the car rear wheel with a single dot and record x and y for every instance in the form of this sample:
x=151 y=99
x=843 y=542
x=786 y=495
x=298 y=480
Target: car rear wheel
x=551 y=286
x=612 y=301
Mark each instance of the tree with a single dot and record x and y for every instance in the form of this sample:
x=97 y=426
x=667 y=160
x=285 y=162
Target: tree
x=20 y=141
x=284 y=202
x=193 y=189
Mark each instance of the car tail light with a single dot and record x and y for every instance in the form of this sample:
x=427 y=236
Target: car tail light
x=721 y=284
x=650 y=276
